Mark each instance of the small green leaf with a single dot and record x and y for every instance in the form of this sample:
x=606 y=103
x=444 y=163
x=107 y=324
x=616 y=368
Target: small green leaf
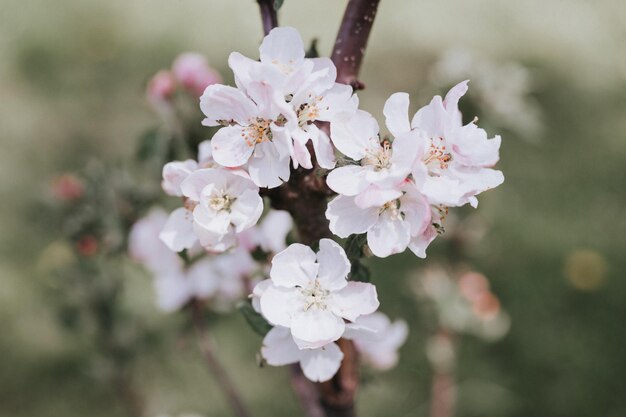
x=313 y=52
x=254 y=319
x=359 y=272
x=354 y=246
x=278 y=4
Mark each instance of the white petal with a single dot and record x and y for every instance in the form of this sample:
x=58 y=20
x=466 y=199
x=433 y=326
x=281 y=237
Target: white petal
x=212 y=221
x=347 y=180
x=324 y=151
x=205 y=154
x=197 y=181
x=347 y=218
x=333 y=265
x=432 y=119
x=389 y=235
x=315 y=328
x=230 y=148
x=279 y=348
x=144 y=245
x=246 y=210
x=215 y=242
x=274 y=229
x=374 y=197
x=396 y=113
x=178 y=234
x=283 y=45
x=257 y=292
x=356 y=136
x=296 y=265
x=224 y=103
x=451 y=102
x=321 y=364
x=406 y=148
x=267 y=168
x=419 y=243
x=174 y=173
x=354 y=300
x=280 y=305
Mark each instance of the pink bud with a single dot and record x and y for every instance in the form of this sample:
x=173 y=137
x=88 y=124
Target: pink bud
x=194 y=73
x=486 y=306
x=161 y=86
x=67 y=187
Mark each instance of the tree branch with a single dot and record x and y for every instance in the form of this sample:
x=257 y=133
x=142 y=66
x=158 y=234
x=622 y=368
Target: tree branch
x=352 y=39
x=216 y=368
x=269 y=17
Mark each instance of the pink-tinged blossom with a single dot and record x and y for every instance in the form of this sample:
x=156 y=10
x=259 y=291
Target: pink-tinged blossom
x=392 y=218
x=253 y=132
x=318 y=365
x=385 y=165
x=194 y=73
x=174 y=173
x=146 y=248
x=219 y=203
x=311 y=296
x=456 y=161
x=378 y=339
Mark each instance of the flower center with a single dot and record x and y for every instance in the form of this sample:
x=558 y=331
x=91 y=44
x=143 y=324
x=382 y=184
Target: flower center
x=219 y=203
x=314 y=296
x=257 y=131
x=437 y=157
x=309 y=112
x=380 y=158
x=393 y=207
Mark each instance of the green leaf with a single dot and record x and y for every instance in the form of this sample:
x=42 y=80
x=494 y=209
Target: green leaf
x=278 y=4
x=254 y=319
x=313 y=52
x=354 y=246
x=359 y=272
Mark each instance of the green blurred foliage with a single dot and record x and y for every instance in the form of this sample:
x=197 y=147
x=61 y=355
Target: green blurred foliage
x=72 y=76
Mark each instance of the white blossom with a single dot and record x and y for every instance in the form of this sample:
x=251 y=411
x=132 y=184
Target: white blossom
x=311 y=296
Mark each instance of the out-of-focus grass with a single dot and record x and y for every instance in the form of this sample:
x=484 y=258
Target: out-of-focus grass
x=72 y=76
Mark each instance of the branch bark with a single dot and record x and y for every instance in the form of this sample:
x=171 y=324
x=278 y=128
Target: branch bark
x=216 y=368
x=352 y=39
x=269 y=17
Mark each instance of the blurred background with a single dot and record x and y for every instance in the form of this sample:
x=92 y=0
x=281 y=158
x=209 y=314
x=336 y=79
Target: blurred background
x=549 y=76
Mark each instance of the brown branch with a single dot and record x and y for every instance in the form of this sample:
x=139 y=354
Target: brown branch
x=306 y=392
x=216 y=368
x=269 y=17
x=352 y=39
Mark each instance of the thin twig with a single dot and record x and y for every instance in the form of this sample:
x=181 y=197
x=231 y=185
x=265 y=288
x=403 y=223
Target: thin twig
x=352 y=39
x=216 y=368
x=269 y=17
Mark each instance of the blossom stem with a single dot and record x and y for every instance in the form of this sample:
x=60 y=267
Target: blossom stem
x=215 y=367
x=269 y=17
x=352 y=39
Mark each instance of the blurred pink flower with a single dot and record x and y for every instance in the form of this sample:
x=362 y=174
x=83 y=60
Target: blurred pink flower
x=161 y=87
x=193 y=72
x=67 y=187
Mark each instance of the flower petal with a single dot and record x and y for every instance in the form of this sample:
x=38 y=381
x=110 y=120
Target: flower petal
x=396 y=113
x=178 y=234
x=246 y=210
x=230 y=148
x=279 y=348
x=347 y=180
x=296 y=265
x=389 y=235
x=315 y=328
x=280 y=305
x=282 y=45
x=347 y=218
x=334 y=265
x=354 y=300
x=221 y=102
x=321 y=364
x=355 y=136
x=267 y=168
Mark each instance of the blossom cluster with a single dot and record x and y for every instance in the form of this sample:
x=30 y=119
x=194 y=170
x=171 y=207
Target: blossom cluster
x=285 y=112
